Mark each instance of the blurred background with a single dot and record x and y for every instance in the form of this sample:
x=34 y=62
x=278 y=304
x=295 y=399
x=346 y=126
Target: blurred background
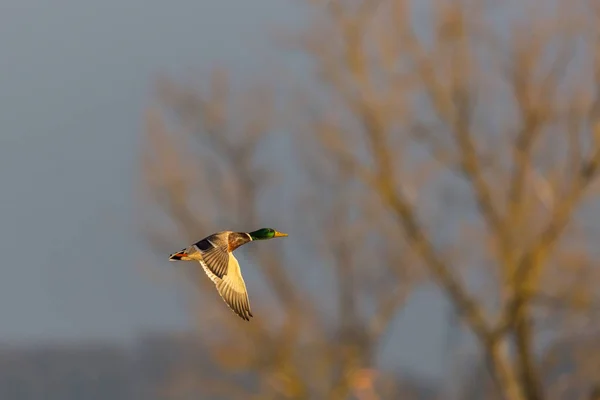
x=434 y=162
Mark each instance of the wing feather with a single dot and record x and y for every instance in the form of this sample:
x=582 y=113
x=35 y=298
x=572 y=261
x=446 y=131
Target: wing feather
x=232 y=289
x=223 y=269
x=214 y=254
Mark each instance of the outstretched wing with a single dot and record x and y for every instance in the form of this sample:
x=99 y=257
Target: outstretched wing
x=232 y=289
x=224 y=270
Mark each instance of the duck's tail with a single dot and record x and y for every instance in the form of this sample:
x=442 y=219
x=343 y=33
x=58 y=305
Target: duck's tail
x=181 y=255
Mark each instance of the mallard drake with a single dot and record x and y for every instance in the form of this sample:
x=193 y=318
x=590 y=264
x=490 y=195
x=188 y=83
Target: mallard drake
x=215 y=254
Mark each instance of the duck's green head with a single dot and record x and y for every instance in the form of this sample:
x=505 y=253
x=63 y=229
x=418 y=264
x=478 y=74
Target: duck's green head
x=266 y=233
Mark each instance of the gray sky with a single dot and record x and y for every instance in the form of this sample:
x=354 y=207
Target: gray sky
x=75 y=77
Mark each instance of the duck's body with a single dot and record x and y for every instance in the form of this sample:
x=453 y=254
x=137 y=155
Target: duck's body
x=215 y=254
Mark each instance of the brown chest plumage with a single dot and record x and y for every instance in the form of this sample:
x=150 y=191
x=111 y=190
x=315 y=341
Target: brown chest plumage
x=236 y=239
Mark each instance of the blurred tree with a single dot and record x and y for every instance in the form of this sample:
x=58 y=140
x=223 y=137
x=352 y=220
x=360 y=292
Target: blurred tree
x=452 y=141
x=212 y=173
